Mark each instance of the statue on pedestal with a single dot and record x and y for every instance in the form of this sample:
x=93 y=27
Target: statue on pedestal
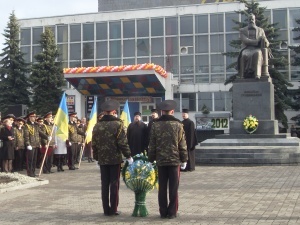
x=253 y=58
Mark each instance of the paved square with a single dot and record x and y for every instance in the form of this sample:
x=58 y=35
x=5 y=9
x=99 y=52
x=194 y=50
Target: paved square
x=209 y=195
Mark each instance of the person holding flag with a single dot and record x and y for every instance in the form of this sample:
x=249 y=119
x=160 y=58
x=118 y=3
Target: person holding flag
x=125 y=115
x=61 y=122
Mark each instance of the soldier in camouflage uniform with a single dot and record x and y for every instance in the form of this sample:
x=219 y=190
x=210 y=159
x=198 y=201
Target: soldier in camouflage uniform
x=109 y=142
x=47 y=128
x=168 y=147
x=32 y=140
x=73 y=140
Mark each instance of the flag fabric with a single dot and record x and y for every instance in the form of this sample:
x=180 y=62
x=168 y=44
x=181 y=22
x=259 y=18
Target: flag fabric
x=61 y=119
x=92 y=122
x=125 y=115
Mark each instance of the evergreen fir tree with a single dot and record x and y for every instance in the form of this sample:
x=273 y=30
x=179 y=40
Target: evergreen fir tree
x=296 y=62
x=278 y=62
x=14 y=83
x=47 y=75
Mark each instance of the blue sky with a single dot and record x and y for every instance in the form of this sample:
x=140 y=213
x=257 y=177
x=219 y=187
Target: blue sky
x=42 y=8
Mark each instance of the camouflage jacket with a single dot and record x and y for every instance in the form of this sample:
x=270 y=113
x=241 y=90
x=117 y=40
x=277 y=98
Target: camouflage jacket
x=46 y=128
x=19 y=138
x=109 y=141
x=32 y=134
x=74 y=131
x=167 y=142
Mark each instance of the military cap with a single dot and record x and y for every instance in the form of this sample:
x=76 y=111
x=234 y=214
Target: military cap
x=21 y=119
x=110 y=105
x=8 y=116
x=73 y=114
x=154 y=110
x=32 y=113
x=167 y=105
x=48 y=114
x=137 y=114
x=40 y=118
x=185 y=110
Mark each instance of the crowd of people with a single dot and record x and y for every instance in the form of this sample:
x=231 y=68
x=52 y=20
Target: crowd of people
x=30 y=143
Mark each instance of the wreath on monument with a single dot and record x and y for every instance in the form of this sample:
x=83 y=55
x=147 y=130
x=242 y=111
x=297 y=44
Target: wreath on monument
x=250 y=124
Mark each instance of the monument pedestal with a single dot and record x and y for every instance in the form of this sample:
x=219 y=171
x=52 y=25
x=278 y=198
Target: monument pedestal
x=265 y=146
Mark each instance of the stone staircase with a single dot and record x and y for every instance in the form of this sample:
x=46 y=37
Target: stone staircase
x=249 y=150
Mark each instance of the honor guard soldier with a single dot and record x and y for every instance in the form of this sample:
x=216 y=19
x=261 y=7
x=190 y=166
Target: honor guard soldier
x=32 y=135
x=47 y=128
x=109 y=142
x=154 y=118
x=19 y=144
x=72 y=142
x=168 y=147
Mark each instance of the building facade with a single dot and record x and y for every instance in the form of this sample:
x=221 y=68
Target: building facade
x=185 y=37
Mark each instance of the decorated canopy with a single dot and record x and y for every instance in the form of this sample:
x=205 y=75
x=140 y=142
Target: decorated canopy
x=127 y=80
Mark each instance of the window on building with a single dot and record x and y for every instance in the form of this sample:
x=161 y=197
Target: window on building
x=25 y=36
x=219 y=101
x=171 y=46
x=75 y=32
x=204 y=98
x=142 y=28
x=202 y=69
x=62 y=34
x=229 y=39
x=101 y=50
x=88 y=32
x=229 y=23
x=115 y=30
x=63 y=52
x=75 y=51
x=88 y=50
x=115 y=49
x=157 y=27
x=201 y=43
x=216 y=23
x=101 y=31
x=89 y=63
x=171 y=26
x=172 y=64
x=114 y=62
x=217 y=43
x=75 y=64
x=129 y=48
x=186 y=25
x=142 y=47
x=186 y=64
x=130 y=61
x=35 y=51
x=201 y=24
x=157 y=46
x=36 y=35
x=27 y=53
x=129 y=29
x=102 y=62
x=143 y=60
x=217 y=63
x=189 y=101
x=187 y=41
x=280 y=17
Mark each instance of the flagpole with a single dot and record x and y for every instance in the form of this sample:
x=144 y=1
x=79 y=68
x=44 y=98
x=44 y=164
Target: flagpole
x=47 y=147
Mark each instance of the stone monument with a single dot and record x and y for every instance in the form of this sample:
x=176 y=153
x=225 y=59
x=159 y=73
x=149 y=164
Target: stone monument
x=252 y=94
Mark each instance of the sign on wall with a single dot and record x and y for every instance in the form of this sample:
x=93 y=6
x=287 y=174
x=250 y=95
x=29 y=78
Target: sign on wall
x=71 y=103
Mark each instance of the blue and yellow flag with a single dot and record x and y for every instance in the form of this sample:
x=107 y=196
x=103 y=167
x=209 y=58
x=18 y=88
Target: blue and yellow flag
x=125 y=115
x=92 y=122
x=61 y=119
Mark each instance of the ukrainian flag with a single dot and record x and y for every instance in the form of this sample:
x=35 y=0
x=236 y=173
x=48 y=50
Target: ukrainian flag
x=61 y=119
x=125 y=115
x=92 y=122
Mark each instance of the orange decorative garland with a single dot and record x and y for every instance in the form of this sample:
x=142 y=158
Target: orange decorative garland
x=100 y=69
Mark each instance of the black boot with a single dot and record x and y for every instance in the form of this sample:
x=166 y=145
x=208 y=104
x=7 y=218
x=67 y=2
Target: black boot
x=61 y=168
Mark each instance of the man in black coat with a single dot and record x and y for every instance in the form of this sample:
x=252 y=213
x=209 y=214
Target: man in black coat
x=191 y=139
x=137 y=135
x=154 y=118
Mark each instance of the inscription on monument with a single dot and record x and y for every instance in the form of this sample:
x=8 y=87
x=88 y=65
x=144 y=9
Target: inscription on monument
x=251 y=93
